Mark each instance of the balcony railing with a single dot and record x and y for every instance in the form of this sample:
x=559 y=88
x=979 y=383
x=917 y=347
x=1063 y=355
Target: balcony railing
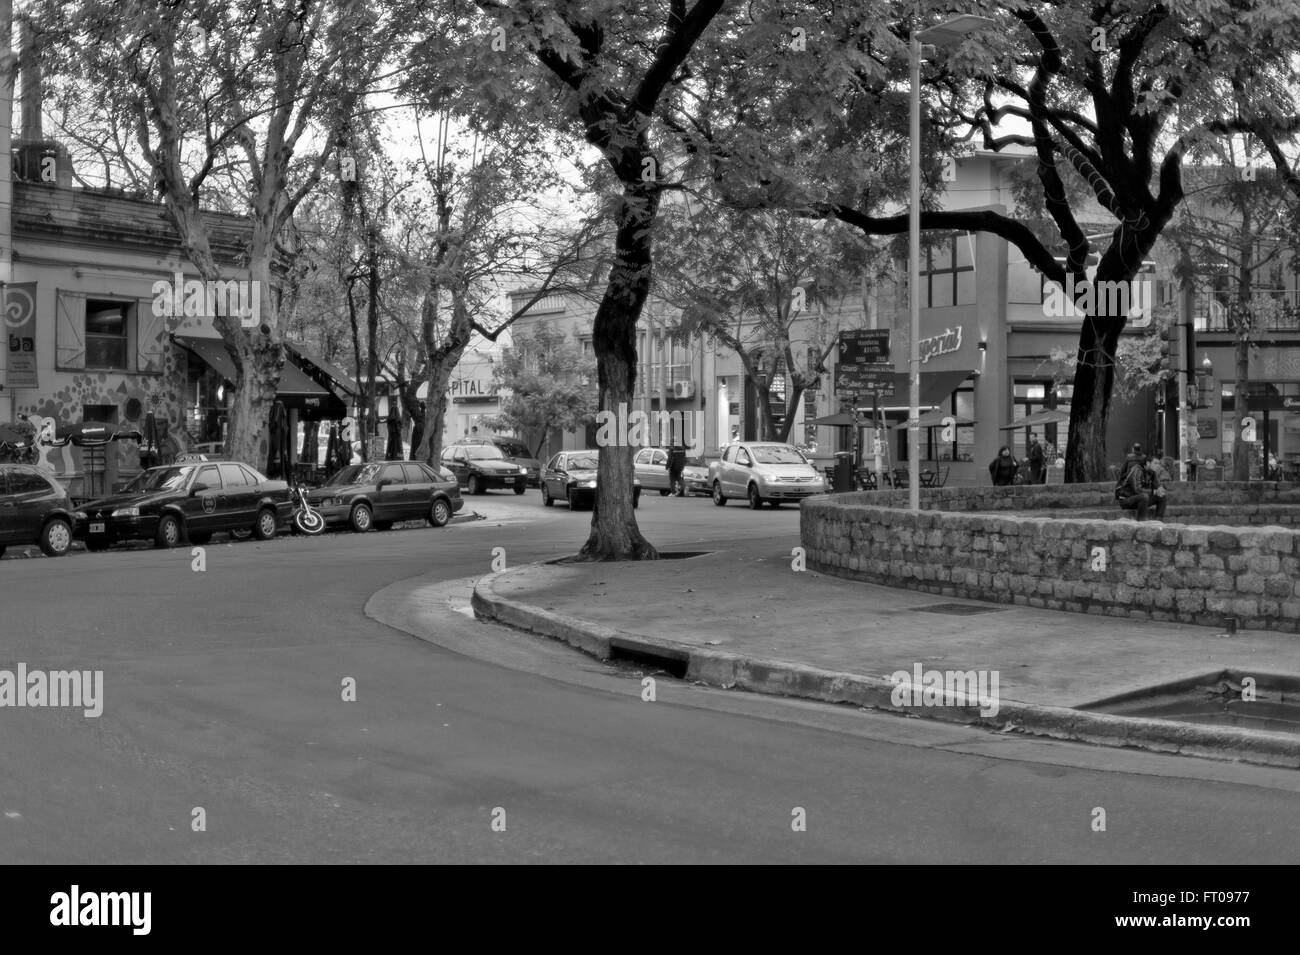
x=1212 y=311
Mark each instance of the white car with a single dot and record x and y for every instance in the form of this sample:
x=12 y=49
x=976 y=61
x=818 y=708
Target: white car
x=763 y=471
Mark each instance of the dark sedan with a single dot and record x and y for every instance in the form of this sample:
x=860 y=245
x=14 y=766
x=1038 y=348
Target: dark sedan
x=176 y=502
x=479 y=467
x=383 y=492
x=34 y=509
x=571 y=476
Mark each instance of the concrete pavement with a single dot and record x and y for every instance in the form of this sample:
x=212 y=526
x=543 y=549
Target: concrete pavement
x=745 y=617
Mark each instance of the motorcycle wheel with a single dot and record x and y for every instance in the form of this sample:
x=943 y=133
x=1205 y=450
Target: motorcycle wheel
x=309 y=524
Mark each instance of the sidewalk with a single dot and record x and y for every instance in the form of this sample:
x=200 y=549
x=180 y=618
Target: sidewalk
x=742 y=617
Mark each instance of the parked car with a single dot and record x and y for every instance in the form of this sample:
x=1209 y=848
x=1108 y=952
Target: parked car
x=381 y=493
x=571 y=476
x=479 y=467
x=763 y=471
x=34 y=509
x=651 y=466
x=179 y=502
x=695 y=476
x=514 y=450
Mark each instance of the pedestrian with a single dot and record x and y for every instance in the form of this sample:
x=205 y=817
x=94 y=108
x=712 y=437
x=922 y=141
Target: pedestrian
x=1129 y=489
x=1037 y=461
x=1003 y=468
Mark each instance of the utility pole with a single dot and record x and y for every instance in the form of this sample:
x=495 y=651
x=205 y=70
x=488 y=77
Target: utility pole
x=8 y=62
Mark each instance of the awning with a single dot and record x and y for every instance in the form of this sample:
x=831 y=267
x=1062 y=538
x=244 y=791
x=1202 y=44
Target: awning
x=336 y=375
x=934 y=419
x=296 y=390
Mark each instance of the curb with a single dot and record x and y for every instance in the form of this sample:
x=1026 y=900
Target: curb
x=781 y=678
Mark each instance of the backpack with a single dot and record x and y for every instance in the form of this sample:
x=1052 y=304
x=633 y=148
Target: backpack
x=1122 y=489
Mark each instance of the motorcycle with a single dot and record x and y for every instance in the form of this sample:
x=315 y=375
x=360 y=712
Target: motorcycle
x=306 y=519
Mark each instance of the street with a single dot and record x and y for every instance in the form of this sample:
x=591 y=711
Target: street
x=224 y=691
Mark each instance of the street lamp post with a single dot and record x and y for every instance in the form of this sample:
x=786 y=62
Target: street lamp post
x=946 y=33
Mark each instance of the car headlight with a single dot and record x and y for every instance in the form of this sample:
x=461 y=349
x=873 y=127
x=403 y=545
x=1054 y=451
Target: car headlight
x=81 y=516
x=588 y=483
x=127 y=512
x=523 y=470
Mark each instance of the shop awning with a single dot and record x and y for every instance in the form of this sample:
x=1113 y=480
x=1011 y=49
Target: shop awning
x=336 y=375
x=296 y=390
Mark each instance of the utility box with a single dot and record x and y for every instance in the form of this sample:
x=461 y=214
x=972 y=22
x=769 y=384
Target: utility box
x=843 y=471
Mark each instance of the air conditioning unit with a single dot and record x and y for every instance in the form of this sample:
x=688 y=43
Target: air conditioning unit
x=683 y=389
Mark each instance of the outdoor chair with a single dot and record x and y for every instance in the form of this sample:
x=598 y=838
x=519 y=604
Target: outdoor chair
x=867 y=480
x=941 y=478
x=900 y=478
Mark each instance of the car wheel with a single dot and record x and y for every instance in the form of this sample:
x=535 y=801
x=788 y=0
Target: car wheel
x=383 y=525
x=573 y=500
x=201 y=538
x=755 y=502
x=718 y=497
x=679 y=488
x=475 y=486
x=264 y=529
x=520 y=488
x=169 y=531
x=440 y=513
x=546 y=497
x=56 y=538
x=361 y=518
x=2 y=550
x=664 y=492
x=636 y=499
x=242 y=533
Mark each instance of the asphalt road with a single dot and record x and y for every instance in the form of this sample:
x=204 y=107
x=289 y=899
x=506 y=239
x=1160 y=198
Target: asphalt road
x=223 y=691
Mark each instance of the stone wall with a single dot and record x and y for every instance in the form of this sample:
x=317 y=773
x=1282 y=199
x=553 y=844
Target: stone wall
x=1078 y=496
x=1161 y=571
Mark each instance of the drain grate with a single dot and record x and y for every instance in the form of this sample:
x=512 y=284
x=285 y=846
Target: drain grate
x=959 y=610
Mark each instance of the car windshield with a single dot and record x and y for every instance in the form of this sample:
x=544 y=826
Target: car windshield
x=583 y=462
x=777 y=454
x=514 y=450
x=484 y=452
x=353 y=474
x=159 y=479
x=702 y=461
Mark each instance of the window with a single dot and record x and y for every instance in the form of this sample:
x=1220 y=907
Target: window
x=416 y=475
x=642 y=457
x=210 y=477
x=24 y=482
x=742 y=458
x=251 y=476
x=106 y=334
x=1037 y=395
x=233 y=475
x=949 y=274
x=961 y=405
x=393 y=472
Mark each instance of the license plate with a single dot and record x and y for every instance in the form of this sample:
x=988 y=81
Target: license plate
x=97 y=528
x=510 y=480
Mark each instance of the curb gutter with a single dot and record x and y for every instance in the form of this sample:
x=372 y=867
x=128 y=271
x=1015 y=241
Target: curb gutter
x=780 y=678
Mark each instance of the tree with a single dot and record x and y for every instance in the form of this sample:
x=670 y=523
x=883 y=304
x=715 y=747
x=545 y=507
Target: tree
x=610 y=68
x=545 y=385
x=764 y=285
x=1113 y=96
x=225 y=93
x=1231 y=232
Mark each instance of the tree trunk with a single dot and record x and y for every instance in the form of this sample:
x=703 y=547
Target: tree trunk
x=356 y=364
x=614 y=532
x=435 y=405
x=259 y=356
x=372 y=334
x=1241 y=353
x=1094 y=378
x=792 y=405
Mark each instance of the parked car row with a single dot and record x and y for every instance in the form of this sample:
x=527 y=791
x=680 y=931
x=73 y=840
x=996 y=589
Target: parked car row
x=190 y=501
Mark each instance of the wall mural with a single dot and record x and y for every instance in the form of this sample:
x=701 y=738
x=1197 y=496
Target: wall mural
x=53 y=415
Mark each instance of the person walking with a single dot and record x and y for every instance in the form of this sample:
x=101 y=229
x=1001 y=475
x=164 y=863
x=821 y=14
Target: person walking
x=1037 y=461
x=1003 y=468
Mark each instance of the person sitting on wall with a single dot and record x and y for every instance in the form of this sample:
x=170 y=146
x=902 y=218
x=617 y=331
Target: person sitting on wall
x=1129 y=490
x=1003 y=468
x=1154 y=486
